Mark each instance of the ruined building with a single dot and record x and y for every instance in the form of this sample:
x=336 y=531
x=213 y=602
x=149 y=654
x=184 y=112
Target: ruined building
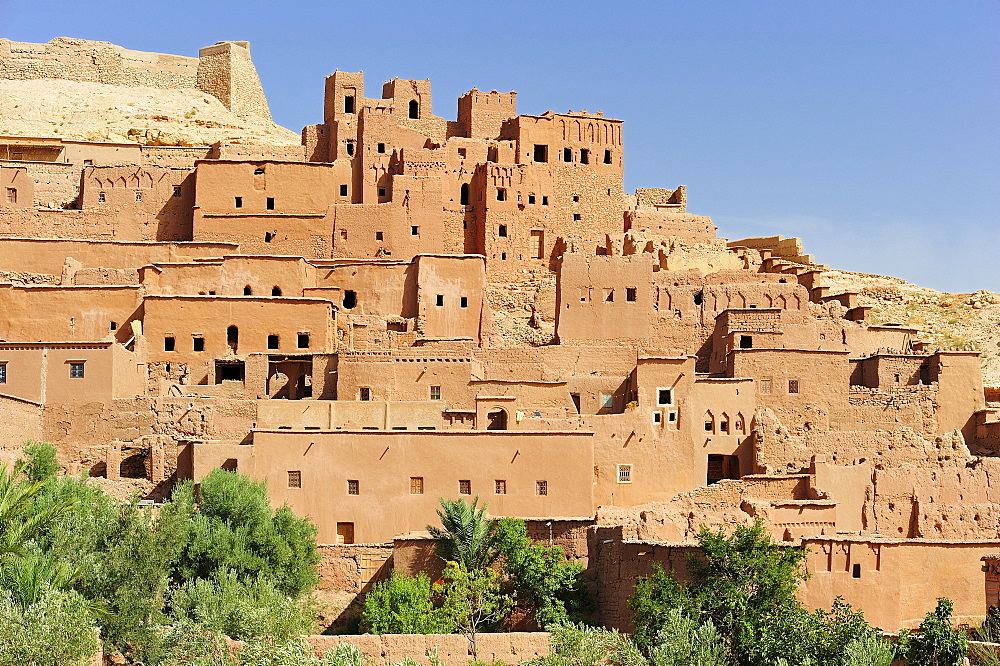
x=404 y=307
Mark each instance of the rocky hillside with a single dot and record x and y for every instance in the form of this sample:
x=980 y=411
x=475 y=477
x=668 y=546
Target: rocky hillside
x=150 y=116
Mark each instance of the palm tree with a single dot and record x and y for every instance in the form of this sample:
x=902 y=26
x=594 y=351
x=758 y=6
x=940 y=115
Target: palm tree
x=469 y=538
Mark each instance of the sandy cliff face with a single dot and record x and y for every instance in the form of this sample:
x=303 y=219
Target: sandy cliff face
x=149 y=116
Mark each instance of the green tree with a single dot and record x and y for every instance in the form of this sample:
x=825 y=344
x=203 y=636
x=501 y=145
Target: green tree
x=541 y=577
x=936 y=643
x=403 y=605
x=466 y=535
x=474 y=601
x=41 y=463
x=235 y=528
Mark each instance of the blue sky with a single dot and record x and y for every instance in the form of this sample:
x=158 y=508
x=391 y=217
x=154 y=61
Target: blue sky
x=870 y=129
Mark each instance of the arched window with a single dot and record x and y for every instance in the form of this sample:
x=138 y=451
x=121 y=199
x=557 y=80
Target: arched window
x=350 y=299
x=464 y=196
x=496 y=420
x=276 y=291
x=233 y=337
x=414 y=109
x=247 y=291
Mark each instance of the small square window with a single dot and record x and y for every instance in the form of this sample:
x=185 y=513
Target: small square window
x=502 y=231
x=531 y=198
x=381 y=147
x=724 y=426
x=657 y=417
x=101 y=197
x=353 y=487
x=465 y=487
x=85 y=162
x=416 y=485
x=607 y=400
x=624 y=473
x=379 y=235
x=541 y=153
x=630 y=294
x=114 y=326
x=671 y=417
x=501 y=194
x=435 y=393
x=439 y=300
x=365 y=393
x=584 y=156
x=11 y=195
x=576 y=198
x=177 y=190
x=545 y=201
x=577 y=217
x=268 y=236
x=765 y=386
x=138 y=196
x=746 y=342
x=272 y=342
x=461 y=152
x=381 y=191
x=567 y=154
x=76 y=370
x=350 y=149
x=270 y=203
x=793 y=386
x=198 y=344
x=303 y=341
x=294 y=479
x=664 y=396
x=464 y=302
x=343 y=190
x=168 y=343
x=414 y=230
x=500 y=487
x=607 y=157
x=541 y=487
x=709 y=426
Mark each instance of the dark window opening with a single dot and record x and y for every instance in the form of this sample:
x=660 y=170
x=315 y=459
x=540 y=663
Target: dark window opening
x=198 y=344
x=247 y=291
x=239 y=202
x=350 y=149
x=584 y=156
x=177 y=190
x=233 y=337
x=414 y=109
x=793 y=386
x=541 y=487
x=503 y=256
x=607 y=157
x=496 y=420
x=295 y=479
x=463 y=302
x=724 y=426
x=230 y=465
x=462 y=152
x=365 y=393
x=609 y=295
x=381 y=191
x=349 y=104
x=541 y=153
x=630 y=294
x=101 y=197
x=531 y=198
x=350 y=299
x=501 y=194
x=545 y=201
x=258 y=171
x=439 y=300
x=576 y=198
x=380 y=148
x=168 y=343
x=276 y=291
x=746 y=342
x=856 y=571
x=229 y=371
x=76 y=370
x=343 y=190
x=463 y=197
x=664 y=397
x=722 y=467
x=567 y=154
x=699 y=297
x=709 y=426
x=502 y=231
x=353 y=487
x=465 y=487
x=576 y=401
x=303 y=341
x=114 y=326
x=270 y=203
x=268 y=236
x=414 y=230
x=577 y=217
x=272 y=342
x=379 y=236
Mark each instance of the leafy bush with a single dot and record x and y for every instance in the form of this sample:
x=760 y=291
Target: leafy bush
x=234 y=528
x=41 y=463
x=579 y=645
x=937 y=642
x=56 y=630
x=474 y=601
x=241 y=610
x=540 y=576
x=403 y=605
x=683 y=642
x=869 y=650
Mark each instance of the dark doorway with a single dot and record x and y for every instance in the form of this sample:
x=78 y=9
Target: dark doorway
x=496 y=420
x=722 y=467
x=414 y=109
x=229 y=371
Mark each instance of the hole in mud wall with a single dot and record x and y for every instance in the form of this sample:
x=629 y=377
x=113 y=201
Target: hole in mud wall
x=134 y=467
x=100 y=470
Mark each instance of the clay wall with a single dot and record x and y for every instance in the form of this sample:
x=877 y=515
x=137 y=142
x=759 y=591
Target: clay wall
x=877 y=575
x=49 y=255
x=604 y=300
x=293 y=187
x=42 y=373
x=383 y=463
x=17 y=190
x=450 y=296
x=208 y=318
x=350 y=414
x=158 y=200
x=382 y=288
x=67 y=313
x=96 y=153
x=298 y=234
x=231 y=276
x=482 y=115
x=451 y=649
x=22 y=422
x=253 y=152
x=174 y=156
x=56 y=185
x=226 y=71
x=670 y=223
